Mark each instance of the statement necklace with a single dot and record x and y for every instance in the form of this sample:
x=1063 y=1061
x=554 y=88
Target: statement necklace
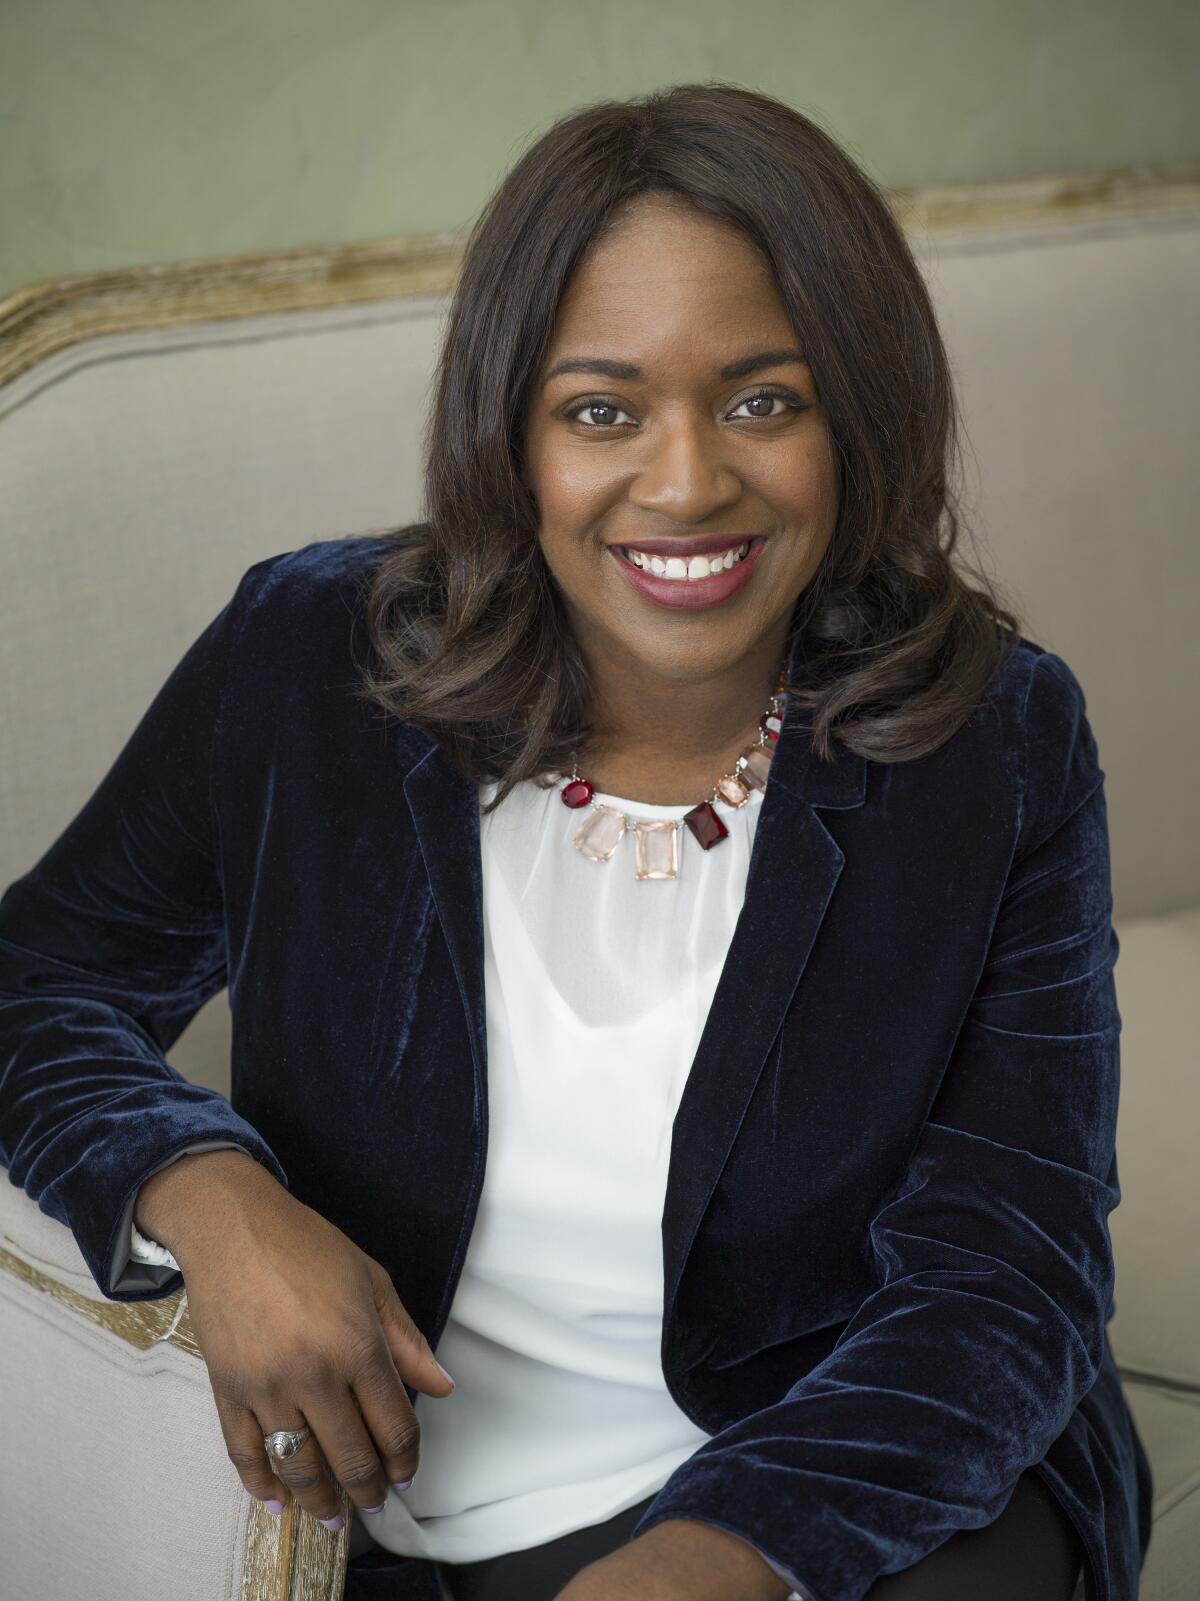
x=657 y=840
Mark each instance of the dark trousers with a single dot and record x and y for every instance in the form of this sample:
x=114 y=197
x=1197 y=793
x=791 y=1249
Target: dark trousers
x=1031 y=1551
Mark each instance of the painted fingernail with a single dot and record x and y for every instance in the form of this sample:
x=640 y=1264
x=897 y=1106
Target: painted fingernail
x=404 y=1484
x=333 y=1524
x=274 y=1507
x=378 y=1508
x=442 y=1371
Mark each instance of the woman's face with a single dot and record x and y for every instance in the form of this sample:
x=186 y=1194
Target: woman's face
x=665 y=446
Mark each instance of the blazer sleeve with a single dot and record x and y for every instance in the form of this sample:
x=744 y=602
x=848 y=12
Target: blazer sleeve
x=109 y=945
x=994 y=1262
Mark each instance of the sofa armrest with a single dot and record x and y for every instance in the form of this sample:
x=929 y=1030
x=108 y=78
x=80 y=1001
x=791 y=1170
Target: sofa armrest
x=115 y=1478
x=1168 y=1419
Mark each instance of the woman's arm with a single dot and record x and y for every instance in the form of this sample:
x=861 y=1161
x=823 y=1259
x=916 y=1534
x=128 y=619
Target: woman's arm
x=109 y=945
x=679 y=1560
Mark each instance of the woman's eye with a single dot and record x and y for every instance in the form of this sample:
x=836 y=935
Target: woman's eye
x=577 y=412
x=765 y=400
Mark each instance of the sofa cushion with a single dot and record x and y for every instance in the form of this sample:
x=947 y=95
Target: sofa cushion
x=1156 y=1226
x=1169 y=1423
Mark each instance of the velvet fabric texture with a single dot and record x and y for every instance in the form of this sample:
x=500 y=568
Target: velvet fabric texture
x=887 y=1263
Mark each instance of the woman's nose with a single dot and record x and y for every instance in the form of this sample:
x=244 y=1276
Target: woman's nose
x=684 y=475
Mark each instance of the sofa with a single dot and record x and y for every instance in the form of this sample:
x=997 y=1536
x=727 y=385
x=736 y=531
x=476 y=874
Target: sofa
x=162 y=428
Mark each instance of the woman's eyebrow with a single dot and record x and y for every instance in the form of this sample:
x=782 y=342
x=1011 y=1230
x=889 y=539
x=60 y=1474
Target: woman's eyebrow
x=742 y=368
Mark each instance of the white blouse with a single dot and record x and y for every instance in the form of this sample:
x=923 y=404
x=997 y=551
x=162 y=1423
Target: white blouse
x=597 y=987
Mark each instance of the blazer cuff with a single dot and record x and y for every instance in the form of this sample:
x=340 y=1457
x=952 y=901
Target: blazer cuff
x=799 y=1592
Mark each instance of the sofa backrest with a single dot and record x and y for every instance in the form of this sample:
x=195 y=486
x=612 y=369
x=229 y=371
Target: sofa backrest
x=162 y=429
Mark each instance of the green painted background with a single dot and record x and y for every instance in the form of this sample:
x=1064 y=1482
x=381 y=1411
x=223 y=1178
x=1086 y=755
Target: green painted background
x=136 y=131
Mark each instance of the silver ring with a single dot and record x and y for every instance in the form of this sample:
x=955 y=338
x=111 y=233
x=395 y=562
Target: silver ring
x=286 y=1442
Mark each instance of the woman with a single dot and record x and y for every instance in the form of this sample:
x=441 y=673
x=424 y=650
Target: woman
x=752 y=922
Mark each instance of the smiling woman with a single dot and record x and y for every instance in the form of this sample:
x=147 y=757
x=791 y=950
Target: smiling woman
x=757 y=1197
x=691 y=488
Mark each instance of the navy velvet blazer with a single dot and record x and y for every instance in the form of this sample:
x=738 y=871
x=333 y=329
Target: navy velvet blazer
x=886 y=1255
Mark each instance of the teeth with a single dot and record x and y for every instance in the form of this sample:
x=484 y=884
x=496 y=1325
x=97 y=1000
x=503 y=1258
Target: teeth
x=690 y=569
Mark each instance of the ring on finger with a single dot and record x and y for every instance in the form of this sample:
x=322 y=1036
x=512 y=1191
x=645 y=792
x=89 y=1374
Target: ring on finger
x=284 y=1443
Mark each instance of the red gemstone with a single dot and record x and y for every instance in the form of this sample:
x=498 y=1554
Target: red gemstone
x=706 y=825
x=577 y=793
x=771 y=724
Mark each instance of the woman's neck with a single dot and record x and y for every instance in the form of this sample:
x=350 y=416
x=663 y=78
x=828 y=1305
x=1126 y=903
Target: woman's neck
x=668 y=745
x=658 y=777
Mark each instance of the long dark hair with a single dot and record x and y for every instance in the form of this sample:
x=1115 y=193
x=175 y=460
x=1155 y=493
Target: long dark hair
x=471 y=639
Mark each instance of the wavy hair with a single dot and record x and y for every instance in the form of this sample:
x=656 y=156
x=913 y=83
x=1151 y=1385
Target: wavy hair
x=465 y=621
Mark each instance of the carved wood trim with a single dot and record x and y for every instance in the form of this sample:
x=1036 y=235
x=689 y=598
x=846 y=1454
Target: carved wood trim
x=43 y=318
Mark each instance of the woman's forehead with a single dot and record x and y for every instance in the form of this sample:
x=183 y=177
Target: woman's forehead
x=654 y=226
x=668 y=303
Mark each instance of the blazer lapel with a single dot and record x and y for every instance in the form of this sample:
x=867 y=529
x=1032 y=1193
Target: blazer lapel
x=794 y=868
x=445 y=812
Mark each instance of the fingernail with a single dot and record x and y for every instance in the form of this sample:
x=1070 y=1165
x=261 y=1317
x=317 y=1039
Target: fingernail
x=378 y=1508
x=442 y=1370
x=333 y=1524
x=404 y=1485
x=274 y=1507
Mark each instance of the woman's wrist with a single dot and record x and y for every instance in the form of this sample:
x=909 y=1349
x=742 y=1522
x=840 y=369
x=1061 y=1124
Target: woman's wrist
x=680 y=1559
x=193 y=1191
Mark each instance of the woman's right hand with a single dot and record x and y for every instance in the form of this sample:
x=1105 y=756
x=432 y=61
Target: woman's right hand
x=296 y=1325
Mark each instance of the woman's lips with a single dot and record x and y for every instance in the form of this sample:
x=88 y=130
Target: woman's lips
x=690 y=594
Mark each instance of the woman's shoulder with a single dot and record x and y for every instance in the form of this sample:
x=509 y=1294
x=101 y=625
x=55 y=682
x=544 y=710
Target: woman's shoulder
x=1026 y=747
x=1061 y=761
x=1043 y=697
x=311 y=578
x=1033 y=693
x=295 y=629
x=1032 y=731
x=305 y=608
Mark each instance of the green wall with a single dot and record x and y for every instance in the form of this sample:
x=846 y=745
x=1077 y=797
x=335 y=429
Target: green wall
x=135 y=131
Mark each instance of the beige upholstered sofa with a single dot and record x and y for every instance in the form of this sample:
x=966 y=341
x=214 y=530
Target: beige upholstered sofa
x=162 y=429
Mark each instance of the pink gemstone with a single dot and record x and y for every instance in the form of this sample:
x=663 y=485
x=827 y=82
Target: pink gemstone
x=732 y=791
x=759 y=760
x=758 y=765
x=600 y=834
x=657 y=854
x=577 y=793
x=705 y=825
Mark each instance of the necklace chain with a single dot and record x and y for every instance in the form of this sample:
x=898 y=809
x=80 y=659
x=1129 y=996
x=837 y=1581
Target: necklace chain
x=658 y=839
